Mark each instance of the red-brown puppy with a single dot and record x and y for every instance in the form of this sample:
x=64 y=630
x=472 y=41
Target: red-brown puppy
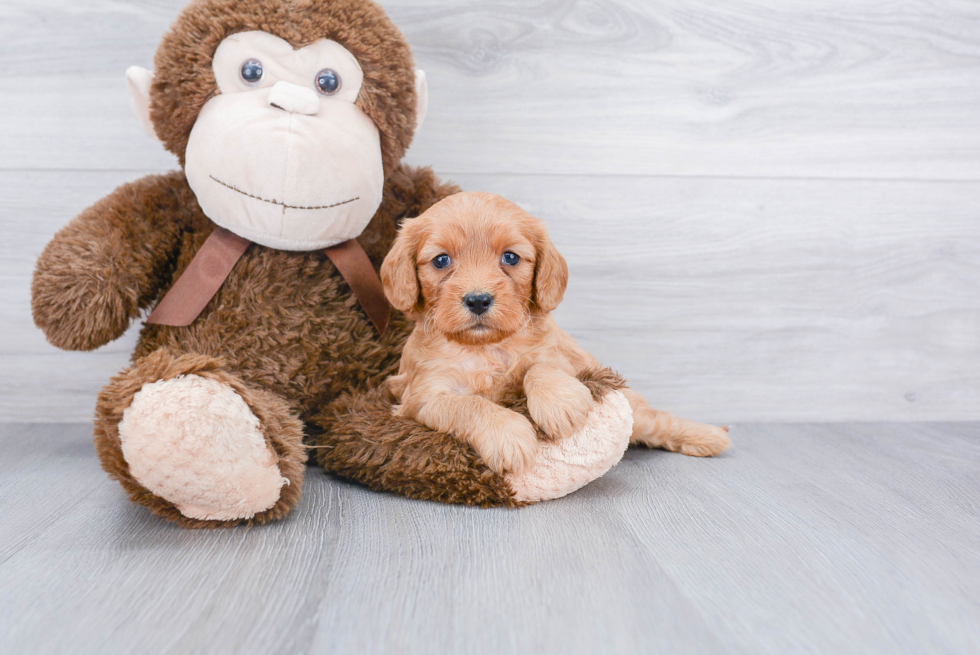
x=480 y=276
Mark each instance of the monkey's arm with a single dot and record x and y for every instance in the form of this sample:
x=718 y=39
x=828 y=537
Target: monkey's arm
x=107 y=264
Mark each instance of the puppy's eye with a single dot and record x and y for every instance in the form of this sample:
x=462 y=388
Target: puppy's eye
x=510 y=259
x=252 y=72
x=442 y=261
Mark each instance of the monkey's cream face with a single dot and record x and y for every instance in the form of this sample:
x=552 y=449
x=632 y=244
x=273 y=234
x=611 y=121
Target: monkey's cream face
x=282 y=156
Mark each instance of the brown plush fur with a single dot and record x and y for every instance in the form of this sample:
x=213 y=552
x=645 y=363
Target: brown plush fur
x=284 y=331
x=410 y=459
x=457 y=363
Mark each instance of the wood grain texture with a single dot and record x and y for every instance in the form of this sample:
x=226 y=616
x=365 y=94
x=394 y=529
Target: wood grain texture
x=812 y=88
x=724 y=300
x=859 y=539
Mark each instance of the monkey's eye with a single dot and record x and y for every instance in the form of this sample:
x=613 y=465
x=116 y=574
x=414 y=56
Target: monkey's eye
x=252 y=72
x=442 y=261
x=328 y=81
x=510 y=259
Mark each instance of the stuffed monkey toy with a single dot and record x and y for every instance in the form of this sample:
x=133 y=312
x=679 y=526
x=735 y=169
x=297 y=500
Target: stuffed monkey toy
x=268 y=336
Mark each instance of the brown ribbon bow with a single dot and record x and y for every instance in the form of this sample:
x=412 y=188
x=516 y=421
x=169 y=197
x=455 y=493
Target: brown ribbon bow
x=212 y=265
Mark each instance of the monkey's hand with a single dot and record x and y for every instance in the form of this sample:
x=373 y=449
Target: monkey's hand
x=108 y=263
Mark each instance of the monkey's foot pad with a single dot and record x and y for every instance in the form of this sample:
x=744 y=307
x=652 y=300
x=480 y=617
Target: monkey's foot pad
x=194 y=442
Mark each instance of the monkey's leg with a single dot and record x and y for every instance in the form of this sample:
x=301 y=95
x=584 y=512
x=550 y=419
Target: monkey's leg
x=358 y=437
x=656 y=429
x=197 y=445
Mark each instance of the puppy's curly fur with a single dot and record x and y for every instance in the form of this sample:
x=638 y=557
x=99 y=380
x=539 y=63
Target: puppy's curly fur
x=481 y=277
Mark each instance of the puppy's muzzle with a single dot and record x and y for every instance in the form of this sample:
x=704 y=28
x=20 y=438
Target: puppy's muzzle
x=478 y=303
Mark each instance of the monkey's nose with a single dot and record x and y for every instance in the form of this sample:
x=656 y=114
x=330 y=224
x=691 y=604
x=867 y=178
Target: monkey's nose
x=478 y=303
x=294 y=98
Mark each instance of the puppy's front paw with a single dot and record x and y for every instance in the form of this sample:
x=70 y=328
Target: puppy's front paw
x=705 y=441
x=561 y=410
x=510 y=445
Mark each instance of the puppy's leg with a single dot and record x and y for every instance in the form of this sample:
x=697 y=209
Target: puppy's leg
x=556 y=401
x=657 y=429
x=505 y=440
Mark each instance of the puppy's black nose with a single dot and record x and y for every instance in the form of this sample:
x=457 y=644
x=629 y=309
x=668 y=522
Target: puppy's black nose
x=478 y=303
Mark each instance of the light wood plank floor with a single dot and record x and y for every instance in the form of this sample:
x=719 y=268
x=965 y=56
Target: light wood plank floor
x=856 y=538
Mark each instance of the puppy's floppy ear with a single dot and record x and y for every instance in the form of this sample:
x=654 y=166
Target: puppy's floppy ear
x=550 y=270
x=398 y=271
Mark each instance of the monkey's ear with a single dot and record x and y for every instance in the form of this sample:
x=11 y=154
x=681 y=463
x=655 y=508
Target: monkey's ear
x=138 y=81
x=422 y=93
x=398 y=275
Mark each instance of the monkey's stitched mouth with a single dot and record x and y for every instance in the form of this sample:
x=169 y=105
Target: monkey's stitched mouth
x=276 y=202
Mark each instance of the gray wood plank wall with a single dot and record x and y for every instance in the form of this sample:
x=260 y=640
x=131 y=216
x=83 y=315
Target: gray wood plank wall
x=771 y=209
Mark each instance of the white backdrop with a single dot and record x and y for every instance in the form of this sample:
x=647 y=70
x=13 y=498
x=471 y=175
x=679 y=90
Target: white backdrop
x=771 y=209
